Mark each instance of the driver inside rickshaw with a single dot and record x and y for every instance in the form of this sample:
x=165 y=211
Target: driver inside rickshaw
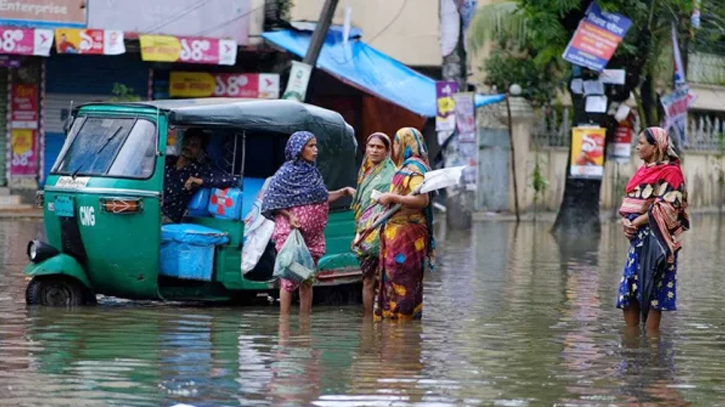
x=184 y=174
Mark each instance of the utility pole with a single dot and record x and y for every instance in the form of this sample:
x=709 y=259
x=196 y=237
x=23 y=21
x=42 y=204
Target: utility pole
x=300 y=72
x=318 y=36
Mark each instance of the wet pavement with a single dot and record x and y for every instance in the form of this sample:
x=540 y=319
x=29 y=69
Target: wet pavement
x=512 y=318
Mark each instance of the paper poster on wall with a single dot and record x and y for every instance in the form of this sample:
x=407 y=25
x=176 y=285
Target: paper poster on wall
x=445 y=105
x=465 y=113
x=24 y=106
x=587 y=152
x=468 y=153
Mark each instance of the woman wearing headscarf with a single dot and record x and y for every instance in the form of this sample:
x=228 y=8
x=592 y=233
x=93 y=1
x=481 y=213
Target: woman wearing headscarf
x=375 y=174
x=406 y=240
x=297 y=198
x=654 y=207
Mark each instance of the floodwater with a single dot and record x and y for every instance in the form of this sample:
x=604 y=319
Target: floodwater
x=512 y=318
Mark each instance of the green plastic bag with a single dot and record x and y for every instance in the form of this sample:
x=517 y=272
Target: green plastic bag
x=294 y=261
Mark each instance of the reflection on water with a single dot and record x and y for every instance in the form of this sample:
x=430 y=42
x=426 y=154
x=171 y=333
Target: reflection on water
x=512 y=318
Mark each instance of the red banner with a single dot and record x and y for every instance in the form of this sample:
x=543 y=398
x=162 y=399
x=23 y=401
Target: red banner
x=24 y=106
x=25 y=41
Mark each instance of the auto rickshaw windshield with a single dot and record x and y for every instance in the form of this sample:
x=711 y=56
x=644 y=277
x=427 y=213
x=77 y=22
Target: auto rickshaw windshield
x=114 y=147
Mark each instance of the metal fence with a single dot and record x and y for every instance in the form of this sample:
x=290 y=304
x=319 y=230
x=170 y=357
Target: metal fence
x=705 y=132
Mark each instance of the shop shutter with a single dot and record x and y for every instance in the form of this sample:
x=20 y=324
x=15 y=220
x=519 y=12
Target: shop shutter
x=79 y=79
x=3 y=125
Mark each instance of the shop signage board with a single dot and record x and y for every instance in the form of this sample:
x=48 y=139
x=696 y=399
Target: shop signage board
x=192 y=50
x=25 y=41
x=91 y=42
x=24 y=152
x=24 y=106
x=44 y=13
x=202 y=84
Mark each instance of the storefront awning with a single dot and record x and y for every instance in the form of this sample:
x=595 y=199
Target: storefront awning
x=364 y=67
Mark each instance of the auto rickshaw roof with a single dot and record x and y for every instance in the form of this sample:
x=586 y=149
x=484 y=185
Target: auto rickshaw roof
x=276 y=116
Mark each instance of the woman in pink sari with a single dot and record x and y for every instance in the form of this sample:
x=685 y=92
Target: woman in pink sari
x=297 y=198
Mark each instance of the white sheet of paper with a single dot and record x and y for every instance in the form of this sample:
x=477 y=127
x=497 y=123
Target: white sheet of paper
x=613 y=76
x=595 y=87
x=577 y=86
x=596 y=104
x=375 y=194
x=622 y=113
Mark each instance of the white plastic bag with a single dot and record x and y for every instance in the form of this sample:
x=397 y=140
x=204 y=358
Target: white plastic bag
x=257 y=232
x=294 y=261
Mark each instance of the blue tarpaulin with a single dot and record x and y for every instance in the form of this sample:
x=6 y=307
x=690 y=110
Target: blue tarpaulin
x=364 y=67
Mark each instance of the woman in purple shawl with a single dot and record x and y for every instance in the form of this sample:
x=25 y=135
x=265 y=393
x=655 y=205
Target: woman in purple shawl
x=297 y=198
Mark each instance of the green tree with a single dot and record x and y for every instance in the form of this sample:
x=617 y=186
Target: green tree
x=540 y=31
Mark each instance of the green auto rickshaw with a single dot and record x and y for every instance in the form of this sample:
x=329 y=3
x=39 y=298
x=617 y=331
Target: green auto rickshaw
x=102 y=204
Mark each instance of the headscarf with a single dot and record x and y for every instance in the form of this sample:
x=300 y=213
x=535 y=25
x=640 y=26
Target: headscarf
x=665 y=148
x=411 y=146
x=372 y=177
x=666 y=168
x=297 y=182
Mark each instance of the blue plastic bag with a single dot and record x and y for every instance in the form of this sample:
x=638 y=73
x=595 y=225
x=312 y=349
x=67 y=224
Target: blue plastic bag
x=294 y=261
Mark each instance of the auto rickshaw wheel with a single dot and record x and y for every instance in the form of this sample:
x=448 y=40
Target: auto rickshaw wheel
x=54 y=291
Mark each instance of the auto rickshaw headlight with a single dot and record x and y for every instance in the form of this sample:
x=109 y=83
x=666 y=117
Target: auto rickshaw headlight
x=39 y=251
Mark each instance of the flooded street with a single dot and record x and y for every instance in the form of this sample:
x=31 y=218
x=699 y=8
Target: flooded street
x=512 y=318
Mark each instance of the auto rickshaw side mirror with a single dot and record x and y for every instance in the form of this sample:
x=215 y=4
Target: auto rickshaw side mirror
x=68 y=123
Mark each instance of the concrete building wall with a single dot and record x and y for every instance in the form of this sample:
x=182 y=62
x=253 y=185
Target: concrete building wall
x=406 y=30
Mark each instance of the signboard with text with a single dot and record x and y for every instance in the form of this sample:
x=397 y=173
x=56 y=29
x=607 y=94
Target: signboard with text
x=597 y=37
x=91 y=42
x=43 y=13
x=622 y=147
x=202 y=84
x=25 y=41
x=299 y=78
x=192 y=50
x=587 y=152
x=24 y=106
x=24 y=160
x=676 y=105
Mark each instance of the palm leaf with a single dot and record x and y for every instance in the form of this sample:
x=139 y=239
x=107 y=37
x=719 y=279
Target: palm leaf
x=493 y=20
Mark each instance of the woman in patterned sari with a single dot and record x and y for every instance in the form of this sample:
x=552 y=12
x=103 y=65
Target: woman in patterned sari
x=406 y=239
x=654 y=207
x=375 y=175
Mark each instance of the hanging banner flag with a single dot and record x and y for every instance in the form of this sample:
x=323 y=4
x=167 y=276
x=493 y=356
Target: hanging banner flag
x=676 y=105
x=299 y=78
x=597 y=37
x=587 y=152
x=622 y=150
x=679 y=72
x=24 y=106
x=91 y=42
x=465 y=113
x=192 y=50
x=25 y=41
x=24 y=158
x=445 y=116
x=202 y=84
